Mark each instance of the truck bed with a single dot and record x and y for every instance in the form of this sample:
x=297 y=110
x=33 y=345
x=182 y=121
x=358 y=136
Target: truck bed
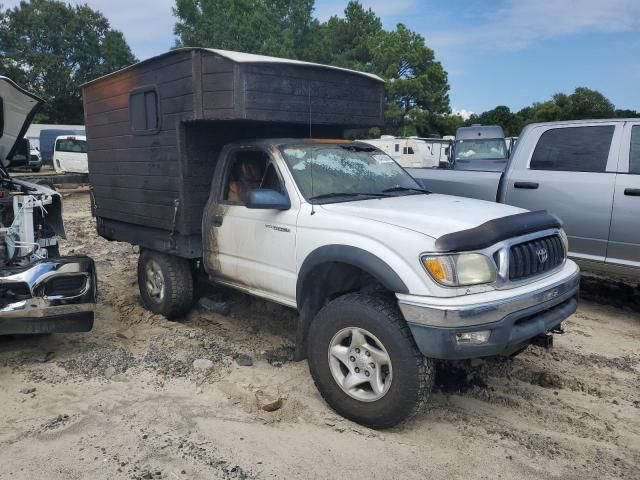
x=463 y=183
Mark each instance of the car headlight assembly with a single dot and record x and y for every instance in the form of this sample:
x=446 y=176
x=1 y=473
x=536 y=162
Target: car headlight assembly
x=460 y=269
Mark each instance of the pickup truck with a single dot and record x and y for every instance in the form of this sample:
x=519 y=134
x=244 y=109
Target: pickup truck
x=386 y=276
x=585 y=172
x=40 y=292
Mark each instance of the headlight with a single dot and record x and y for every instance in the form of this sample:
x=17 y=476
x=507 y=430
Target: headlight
x=460 y=270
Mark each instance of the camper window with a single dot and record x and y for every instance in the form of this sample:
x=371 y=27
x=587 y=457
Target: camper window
x=407 y=151
x=143 y=111
x=397 y=147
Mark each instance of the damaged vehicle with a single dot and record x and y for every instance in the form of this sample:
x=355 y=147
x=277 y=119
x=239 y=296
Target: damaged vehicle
x=40 y=292
x=203 y=158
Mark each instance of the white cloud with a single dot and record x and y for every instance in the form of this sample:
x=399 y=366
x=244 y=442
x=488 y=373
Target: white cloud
x=465 y=114
x=519 y=23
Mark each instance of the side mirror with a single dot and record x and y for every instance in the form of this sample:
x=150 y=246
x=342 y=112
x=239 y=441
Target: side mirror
x=266 y=199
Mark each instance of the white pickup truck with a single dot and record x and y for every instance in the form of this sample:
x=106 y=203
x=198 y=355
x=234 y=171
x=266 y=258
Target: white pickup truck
x=386 y=276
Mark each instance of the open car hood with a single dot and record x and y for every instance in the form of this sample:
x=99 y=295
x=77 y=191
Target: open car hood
x=17 y=109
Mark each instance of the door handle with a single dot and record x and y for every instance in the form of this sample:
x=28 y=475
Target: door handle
x=217 y=221
x=527 y=185
x=632 y=192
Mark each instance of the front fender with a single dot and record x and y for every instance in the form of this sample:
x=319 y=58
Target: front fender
x=350 y=255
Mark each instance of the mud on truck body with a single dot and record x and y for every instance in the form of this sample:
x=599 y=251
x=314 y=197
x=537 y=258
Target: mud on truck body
x=203 y=159
x=40 y=292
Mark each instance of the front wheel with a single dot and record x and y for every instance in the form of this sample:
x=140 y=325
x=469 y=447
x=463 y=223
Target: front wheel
x=365 y=363
x=165 y=283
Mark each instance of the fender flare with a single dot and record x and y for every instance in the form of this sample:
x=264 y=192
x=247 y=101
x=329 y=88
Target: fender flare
x=354 y=256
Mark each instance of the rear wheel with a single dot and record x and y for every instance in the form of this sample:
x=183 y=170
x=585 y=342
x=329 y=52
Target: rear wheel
x=365 y=363
x=165 y=283
x=36 y=169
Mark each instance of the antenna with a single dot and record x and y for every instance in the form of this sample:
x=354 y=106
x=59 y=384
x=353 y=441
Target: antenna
x=313 y=209
x=309 y=101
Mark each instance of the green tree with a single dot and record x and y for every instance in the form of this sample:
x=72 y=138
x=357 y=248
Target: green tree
x=417 y=86
x=501 y=115
x=267 y=27
x=51 y=48
x=585 y=103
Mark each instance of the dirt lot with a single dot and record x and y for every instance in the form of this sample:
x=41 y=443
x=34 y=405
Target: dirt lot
x=127 y=401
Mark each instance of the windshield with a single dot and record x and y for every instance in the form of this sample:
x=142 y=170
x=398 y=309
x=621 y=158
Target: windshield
x=71 y=145
x=340 y=173
x=485 y=149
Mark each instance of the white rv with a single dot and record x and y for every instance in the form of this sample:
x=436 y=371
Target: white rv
x=413 y=152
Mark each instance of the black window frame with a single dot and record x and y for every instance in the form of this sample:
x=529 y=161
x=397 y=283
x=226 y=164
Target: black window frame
x=1 y=117
x=630 y=171
x=143 y=91
x=572 y=129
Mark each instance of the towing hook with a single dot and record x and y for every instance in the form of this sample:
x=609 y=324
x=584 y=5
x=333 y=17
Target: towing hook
x=558 y=330
x=545 y=340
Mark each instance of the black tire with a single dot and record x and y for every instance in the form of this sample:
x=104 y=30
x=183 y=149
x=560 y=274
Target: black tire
x=413 y=374
x=36 y=169
x=177 y=279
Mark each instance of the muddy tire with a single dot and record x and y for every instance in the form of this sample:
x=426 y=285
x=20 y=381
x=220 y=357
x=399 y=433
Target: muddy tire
x=165 y=283
x=365 y=363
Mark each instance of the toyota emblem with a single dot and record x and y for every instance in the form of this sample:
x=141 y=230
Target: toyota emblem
x=543 y=255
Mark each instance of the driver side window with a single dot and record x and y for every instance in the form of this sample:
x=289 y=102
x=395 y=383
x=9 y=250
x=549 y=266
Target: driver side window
x=246 y=171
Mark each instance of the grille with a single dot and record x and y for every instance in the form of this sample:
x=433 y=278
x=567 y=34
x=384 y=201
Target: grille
x=67 y=285
x=535 y=257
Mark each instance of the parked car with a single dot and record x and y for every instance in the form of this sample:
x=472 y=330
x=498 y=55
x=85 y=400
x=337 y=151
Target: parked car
x=479 y=147
x=35 y=159
x=70 y=154
x=47 y=139
x=385 y=276
x=586 y=172
x=40 y=292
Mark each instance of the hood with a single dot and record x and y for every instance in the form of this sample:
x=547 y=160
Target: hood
x=17 y=109
x=433 y=215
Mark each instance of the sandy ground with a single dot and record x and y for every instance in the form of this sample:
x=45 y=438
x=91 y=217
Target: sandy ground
x=125 y=401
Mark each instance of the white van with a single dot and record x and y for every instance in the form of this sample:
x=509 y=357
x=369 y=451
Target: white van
x=70 y=154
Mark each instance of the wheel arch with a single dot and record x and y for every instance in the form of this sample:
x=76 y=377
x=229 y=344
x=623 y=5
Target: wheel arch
x=327 y=265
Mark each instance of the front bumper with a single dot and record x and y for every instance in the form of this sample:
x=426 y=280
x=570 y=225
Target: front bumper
x=50 y=296
x=512 y=322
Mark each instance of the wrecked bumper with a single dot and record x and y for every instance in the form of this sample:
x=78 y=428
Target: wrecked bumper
x=508 y=325
x=50 y=296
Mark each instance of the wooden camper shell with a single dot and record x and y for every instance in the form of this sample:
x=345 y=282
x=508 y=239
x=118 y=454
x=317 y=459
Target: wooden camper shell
x=155 y=129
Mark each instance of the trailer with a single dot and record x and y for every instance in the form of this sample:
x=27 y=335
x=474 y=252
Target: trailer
x=155 y=129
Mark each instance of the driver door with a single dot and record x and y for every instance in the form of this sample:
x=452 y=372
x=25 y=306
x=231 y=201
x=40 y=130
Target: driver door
x=256 y=248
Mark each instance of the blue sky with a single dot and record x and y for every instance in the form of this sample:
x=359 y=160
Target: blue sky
x=509 y=52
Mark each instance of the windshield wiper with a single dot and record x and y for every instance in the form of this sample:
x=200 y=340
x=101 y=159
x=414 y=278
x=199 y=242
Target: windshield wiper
x=347 y=194
x=405 y=189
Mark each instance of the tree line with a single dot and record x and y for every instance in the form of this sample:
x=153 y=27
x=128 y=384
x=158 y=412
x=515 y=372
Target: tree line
x=583 y=103
x=51 y=48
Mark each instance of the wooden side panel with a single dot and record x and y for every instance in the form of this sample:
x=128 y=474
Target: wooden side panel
x=219 y=92
x=136 y=178
x=286 y=93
